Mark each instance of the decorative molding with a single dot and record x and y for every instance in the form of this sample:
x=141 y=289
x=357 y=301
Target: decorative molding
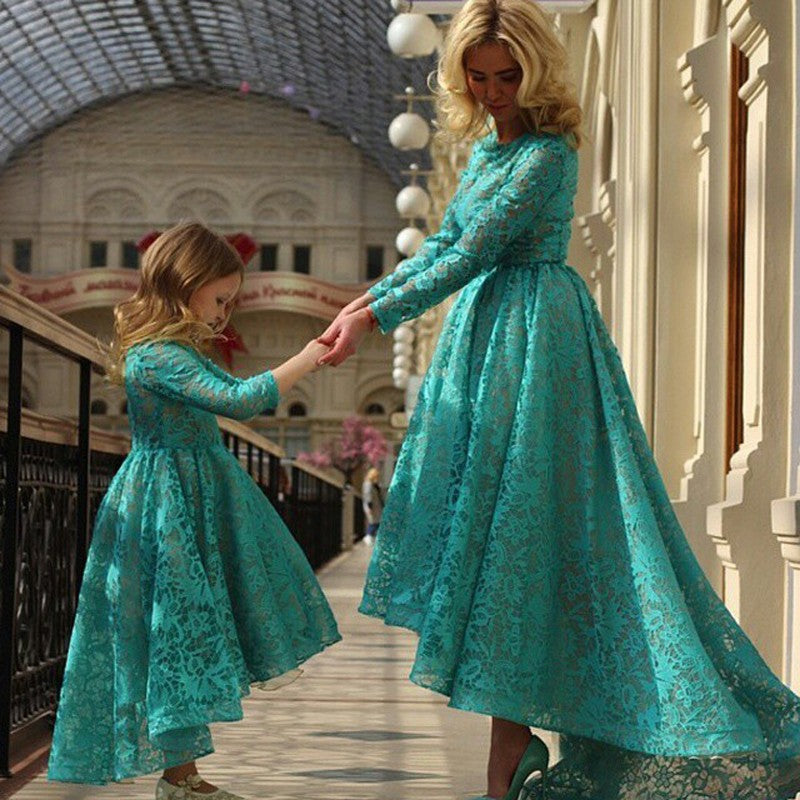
x=114 y=205
x=284 y=205
x=746 y=29
x=107 y=286
x=199 y=203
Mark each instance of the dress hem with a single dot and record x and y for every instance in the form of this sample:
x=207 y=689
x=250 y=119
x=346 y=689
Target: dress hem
x=211 y=716
x=565 y=727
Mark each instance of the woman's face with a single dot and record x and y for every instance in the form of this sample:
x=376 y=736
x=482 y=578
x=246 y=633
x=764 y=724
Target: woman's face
x=213 y=301
x=494 y=77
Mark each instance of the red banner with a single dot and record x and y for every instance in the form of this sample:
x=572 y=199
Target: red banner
x=262 y=291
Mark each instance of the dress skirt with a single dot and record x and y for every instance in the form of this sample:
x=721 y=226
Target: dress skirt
x=194 y=589
x=529 y=540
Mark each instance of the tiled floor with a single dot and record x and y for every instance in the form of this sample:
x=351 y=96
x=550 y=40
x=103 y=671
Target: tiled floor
x=352 y=728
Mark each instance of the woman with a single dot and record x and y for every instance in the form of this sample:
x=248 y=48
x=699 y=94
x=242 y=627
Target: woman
x=545 y=571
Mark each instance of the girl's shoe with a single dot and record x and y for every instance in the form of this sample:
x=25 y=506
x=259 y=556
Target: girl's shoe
x=532 y=767
x=187 y=790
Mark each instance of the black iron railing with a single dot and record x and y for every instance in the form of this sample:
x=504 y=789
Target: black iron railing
x=313 y=512
x=46 y=507
x=309 y=500
x=50 y=489
x=48 y=558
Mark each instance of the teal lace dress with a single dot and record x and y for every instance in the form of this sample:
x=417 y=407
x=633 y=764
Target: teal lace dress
x=194 y=589
x=528 y=538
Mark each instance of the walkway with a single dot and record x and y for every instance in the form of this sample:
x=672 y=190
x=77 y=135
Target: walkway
x=352 y=728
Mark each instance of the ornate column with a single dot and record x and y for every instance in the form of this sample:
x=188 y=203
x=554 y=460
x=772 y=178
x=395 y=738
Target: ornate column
x=740 y=525
x=786 y=510
x=703 y=75
x=633 y=280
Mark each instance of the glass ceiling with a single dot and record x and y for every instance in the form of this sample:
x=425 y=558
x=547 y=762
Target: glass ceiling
x=328 y=57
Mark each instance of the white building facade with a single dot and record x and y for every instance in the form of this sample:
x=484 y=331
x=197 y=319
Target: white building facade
x=321 y=213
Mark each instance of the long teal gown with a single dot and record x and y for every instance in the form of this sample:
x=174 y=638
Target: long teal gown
x=194 y=589
x=528 y=538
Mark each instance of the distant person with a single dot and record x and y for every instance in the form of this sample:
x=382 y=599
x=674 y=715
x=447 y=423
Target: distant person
x=372 y=499
x=194 y=589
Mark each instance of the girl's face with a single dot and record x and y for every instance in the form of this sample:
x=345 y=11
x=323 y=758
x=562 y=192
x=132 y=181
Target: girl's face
x=213 y=301
x=493 y=78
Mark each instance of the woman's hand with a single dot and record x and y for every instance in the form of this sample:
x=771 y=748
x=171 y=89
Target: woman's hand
x=350 y=330
x=332 y=332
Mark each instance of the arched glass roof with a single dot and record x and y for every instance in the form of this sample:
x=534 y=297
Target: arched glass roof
x=328 y=57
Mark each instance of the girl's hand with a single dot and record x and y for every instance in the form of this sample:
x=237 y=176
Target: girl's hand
x=350 y=331
x=332 y=332
x=312 y=353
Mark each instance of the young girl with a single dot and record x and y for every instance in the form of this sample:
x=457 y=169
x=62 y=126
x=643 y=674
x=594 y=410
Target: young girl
x=194 y=589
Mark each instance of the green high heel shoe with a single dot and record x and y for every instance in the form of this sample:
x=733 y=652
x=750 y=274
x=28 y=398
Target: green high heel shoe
x=532 y=765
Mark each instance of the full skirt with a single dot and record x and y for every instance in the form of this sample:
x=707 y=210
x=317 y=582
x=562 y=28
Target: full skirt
x=529 y=540
x=194 y=589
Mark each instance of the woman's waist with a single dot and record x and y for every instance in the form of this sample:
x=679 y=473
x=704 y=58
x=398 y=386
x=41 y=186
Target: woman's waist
x=531 y=262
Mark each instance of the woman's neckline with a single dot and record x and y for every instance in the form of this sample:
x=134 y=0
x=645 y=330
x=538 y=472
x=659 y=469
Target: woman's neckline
x=491 y=141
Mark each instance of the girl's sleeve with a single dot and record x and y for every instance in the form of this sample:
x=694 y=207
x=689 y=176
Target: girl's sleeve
x=170 y=370
x=433 y=246
x=508 y=215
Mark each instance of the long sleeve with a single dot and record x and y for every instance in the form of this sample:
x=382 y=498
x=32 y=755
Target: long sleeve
x=433 y=246
x=175 y=371
x=508 y=215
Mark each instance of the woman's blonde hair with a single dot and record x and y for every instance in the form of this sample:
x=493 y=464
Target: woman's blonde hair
x=175 y=265
x=546 y=98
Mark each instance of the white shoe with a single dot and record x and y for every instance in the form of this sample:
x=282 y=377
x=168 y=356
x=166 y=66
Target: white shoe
x=187 y=790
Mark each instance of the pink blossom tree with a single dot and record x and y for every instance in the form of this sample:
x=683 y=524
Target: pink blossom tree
x=358 y=444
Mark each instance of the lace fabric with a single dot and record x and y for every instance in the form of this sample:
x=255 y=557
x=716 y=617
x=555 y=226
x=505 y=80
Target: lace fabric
x=528 y=537
x=194 y=588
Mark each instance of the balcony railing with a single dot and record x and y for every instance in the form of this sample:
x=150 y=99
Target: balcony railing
x=53 y=475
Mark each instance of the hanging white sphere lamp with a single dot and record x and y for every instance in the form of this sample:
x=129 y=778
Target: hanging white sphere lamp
x=409 y=131
x=402 y=348
x=400 y=377
x=401 y=362
x=413 y=202
x=408 y=240
x=412 y=35
x=403 y=333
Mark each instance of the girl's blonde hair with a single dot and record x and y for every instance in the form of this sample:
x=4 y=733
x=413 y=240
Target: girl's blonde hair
x=175 y=265
x=546 y=98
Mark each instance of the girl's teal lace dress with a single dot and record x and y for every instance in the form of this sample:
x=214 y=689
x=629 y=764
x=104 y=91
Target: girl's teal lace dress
x=528 y=537
x=194 y=588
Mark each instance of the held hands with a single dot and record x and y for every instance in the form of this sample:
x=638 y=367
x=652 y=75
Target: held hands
x=312 y=353
x=343 y=335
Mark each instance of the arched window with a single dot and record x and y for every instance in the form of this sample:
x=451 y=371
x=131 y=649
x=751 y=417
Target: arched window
x=124 y=408
x=98 y=407
x=400 y=408
x=297 y=410
x=375 y=410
